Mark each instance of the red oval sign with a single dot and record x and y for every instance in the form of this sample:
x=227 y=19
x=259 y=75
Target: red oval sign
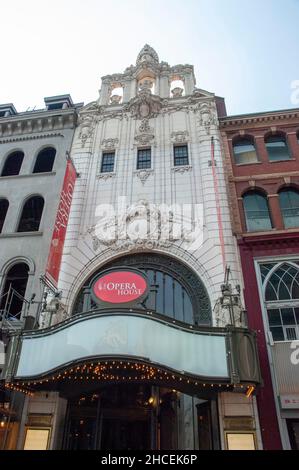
x=120 y=287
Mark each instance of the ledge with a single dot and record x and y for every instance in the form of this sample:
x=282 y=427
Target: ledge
x=45 y=173
x=21 y=234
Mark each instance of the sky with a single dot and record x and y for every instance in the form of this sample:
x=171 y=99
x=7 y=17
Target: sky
x=245 y=51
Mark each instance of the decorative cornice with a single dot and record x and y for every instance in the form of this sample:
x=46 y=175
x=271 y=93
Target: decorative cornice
x=36 y=123
x=239 y=179
x=109 y=144
x=179 y=137
x=231 y=121
x=181 y=169
x=31 y=137
x=106 y=176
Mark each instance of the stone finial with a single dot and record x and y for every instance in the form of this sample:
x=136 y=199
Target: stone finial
x=147 y=54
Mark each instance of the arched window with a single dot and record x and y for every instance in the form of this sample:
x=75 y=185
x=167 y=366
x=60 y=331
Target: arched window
x=281 y=296
x=3 y=211
x=31 y=214
x=256 y=212
x=244 y=151
x=174 y=290
x=277 y=148
x=13 y=164
x=45 y=160
x=13 y=292
x=289 y=205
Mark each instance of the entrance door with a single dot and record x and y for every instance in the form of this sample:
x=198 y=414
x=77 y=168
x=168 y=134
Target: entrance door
x=120 y=434
x=118 y=417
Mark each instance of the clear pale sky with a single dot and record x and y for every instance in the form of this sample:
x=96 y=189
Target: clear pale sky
x=246 y=51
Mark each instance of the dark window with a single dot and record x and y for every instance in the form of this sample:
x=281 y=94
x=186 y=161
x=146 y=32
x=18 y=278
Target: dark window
x=289 y=205
x=277 y=148
x=55 y=106
x=45 y=160
x=244 y=151
x=143 y=159
x=256 y=212
x=181 y=155
x=107 y=162
x=13 y=164
x=3 y=210
x=12 y=296
x=293 y=429
x=31 y=215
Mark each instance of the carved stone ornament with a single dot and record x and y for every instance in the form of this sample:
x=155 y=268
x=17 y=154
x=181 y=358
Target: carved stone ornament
x=207 y=116
x=105 y=176
x=115 y=99
x=143 y=174
x=144 y=105
x=122 y=229
x=87 y=124
x=181 y=169
x=109 y=144
x=179 y=137
x=177 y=92
x=146 y=134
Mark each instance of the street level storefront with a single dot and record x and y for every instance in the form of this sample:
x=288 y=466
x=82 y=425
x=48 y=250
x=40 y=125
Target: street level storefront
x=271 y=273
x=124 y=376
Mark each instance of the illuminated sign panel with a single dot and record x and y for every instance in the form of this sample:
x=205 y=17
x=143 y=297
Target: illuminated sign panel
x=124 y=335
x=120 y=287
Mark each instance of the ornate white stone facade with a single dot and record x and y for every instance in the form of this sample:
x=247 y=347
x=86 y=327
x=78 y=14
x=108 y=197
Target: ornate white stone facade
x=158 y=121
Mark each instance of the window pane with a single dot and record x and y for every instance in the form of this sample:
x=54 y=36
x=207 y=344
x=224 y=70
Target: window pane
x=277 y=333
x=244 y=152
x=274 y=317
x=3 y=210
x=277 y=148
x=107 y=163
x=31 y=215
x=181 y=155
x=289 y=204
x=13 y=164
x=256 y=212
x=287 y=315
x=143 y=159
x=296 y=311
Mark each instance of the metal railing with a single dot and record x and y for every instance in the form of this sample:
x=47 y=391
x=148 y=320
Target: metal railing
x=8 y=320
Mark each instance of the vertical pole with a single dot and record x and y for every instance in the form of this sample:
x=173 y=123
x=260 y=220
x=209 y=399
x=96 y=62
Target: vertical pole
x=218 y=207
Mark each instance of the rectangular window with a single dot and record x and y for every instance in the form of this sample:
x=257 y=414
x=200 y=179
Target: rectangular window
x=181 y=155
x=143 y=159
x=108 y=162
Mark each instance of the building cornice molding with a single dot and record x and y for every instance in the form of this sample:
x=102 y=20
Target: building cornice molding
x=279 y=237
x=31 y=137
x=32 y=123
x=235 y=121
x=264 y=176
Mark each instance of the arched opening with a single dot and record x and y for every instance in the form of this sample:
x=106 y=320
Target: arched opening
x=31 y=215
x=281 y=295
x=244 y=151
x=117 y=93
x=45 y=160
x=177 y=86
x=13 y=163
x=289 y=205
x=3 y=211
x=277 y=147
x=256 y=212
x=174 y=290
x=13 y=292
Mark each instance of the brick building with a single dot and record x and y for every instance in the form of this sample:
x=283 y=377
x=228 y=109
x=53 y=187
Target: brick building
x=262 y=162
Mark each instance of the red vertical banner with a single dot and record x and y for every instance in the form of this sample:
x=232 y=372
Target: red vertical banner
x=62 y=217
